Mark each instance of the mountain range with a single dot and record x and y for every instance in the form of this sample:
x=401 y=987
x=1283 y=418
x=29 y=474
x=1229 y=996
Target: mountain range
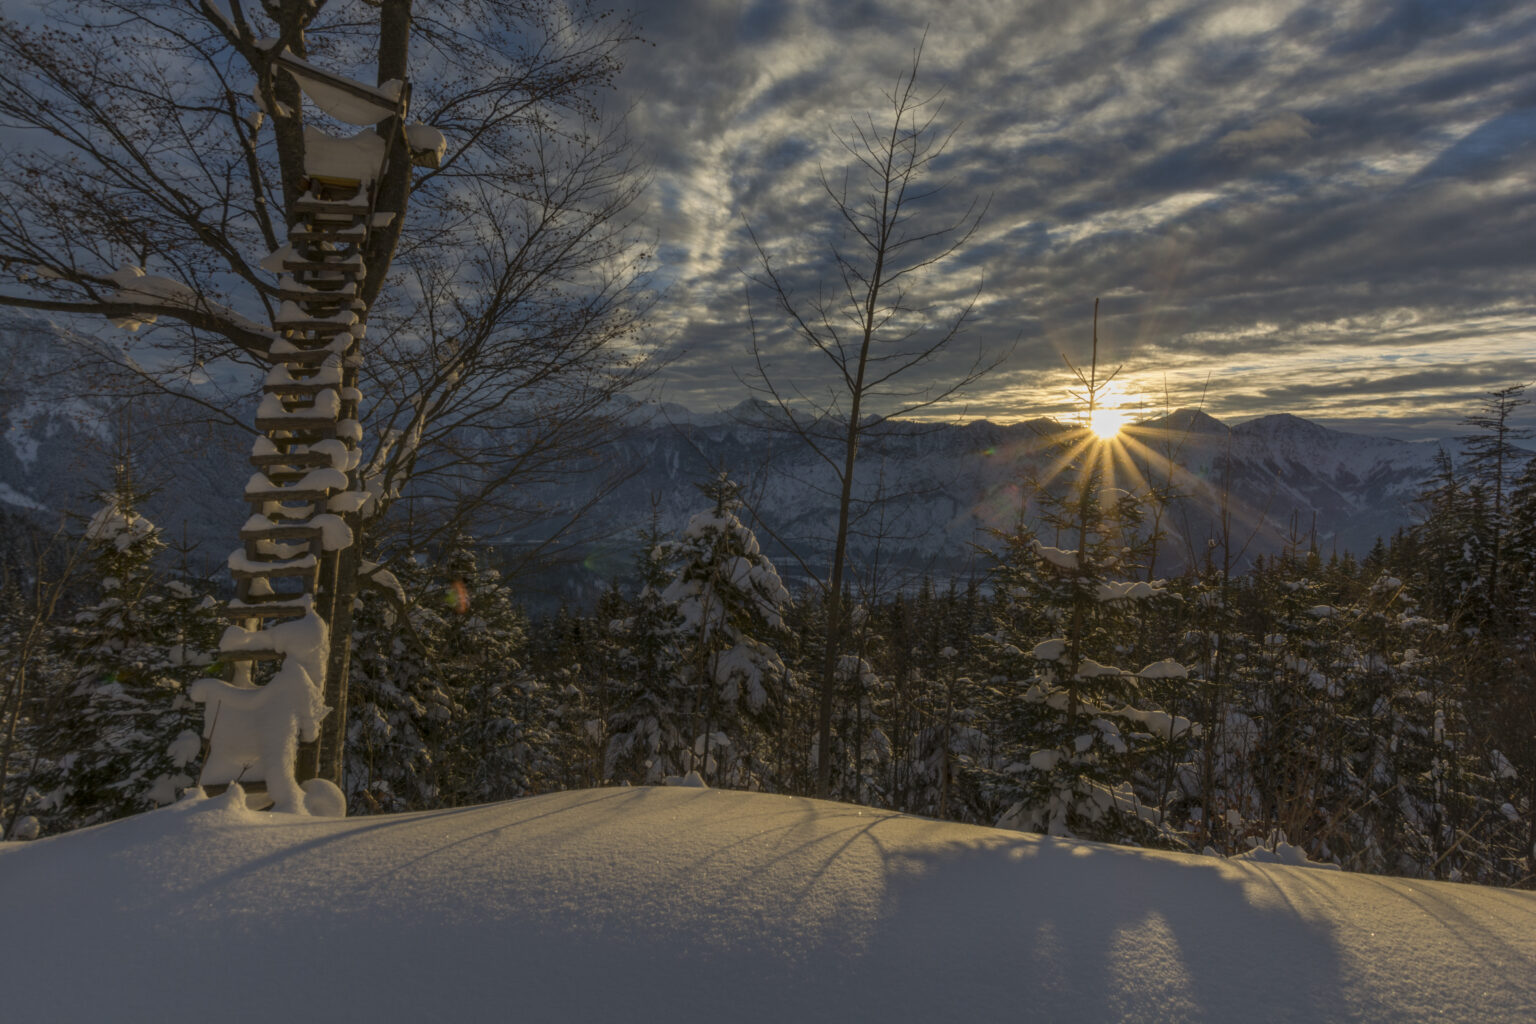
x=929 y=493
x=932 y=494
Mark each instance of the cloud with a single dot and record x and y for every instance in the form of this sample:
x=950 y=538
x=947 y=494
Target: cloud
x=1282 y=131
x=1259 y=193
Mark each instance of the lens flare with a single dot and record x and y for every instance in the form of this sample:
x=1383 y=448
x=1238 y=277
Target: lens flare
x=1106 y=423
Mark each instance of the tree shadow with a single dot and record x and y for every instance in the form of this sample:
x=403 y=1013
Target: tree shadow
x=1081 y=931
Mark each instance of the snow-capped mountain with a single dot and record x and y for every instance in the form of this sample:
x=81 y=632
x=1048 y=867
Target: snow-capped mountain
x=929 y=493
x=65 y=428
x=1275 y=481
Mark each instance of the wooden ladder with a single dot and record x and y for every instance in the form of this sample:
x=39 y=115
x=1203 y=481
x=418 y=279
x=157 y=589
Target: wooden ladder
x=306 y=458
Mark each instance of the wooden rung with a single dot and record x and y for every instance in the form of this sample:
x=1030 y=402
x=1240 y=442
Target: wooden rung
x=350 y=264
x=332 y=184
x=328 y=213
x=257 y=786
x=327 y=276
x=299 y=387
x=297 y=423
x=309 y=357
x=319 y=327
x=283 y=531
x=317 y=297
x=276 y=571
x=284 y=494
x=285 y=477
x=311 y=459
x=309 y=210
x=346 y=234
x=309 y=203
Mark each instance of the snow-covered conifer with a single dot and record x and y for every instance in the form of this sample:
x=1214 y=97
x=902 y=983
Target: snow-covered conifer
x=499 y=743
x=730 y=599
x=650 y=735
x=1081 y=723
x=129 y=739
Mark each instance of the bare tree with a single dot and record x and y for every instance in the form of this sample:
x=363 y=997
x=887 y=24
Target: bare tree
x=879 y=341
x=156 y=162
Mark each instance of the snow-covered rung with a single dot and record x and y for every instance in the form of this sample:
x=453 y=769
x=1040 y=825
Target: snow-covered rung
x=286 y=349
x=328 y=233
x=317 y=286
x=281 y=531
x=273 y=414
x=299 y=460
x=311 y=203
x=281 y=477
x=311 y=425
x=327 y=373
x=298 y=357
x=287 y=608
x=242 y=566
x=315 y=330
x=291 y=315
x=323 y=214
x=316 y=296
x=308 y=389
x=315 y=485
x=352 y=263
x=331 y=530
x=337 y=213
x=250 y=787
x=279 y=571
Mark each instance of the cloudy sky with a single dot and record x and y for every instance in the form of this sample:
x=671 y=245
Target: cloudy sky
x=1317 y=208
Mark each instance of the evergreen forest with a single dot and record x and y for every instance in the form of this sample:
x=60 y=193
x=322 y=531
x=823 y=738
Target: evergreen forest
x=1376 y=712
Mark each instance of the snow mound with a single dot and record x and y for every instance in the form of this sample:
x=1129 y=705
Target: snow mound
x=681 y=904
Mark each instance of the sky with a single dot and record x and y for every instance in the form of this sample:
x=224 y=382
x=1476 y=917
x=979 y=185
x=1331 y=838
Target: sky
x=1324 y=209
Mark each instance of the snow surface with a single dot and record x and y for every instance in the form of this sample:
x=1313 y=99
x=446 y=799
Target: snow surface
x=358 y=157
x=681 y=904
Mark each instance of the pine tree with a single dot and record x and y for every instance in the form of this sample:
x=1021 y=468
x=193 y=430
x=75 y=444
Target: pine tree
x=130 y=738
x=399 y=710
x=1493 y=460
x=649 y=735
x=730 y=599
x=1450 y=542
x=498 y=743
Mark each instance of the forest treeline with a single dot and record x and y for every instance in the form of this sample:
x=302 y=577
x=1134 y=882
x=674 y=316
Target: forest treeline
x=1378 y=713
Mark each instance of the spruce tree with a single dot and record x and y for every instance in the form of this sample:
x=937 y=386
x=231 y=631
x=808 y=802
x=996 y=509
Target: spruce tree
x=730 y=599
x=649 y=730
x=129 y=739
x=399 y=710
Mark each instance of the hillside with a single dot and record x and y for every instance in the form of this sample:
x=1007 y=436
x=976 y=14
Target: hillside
x=678 y=905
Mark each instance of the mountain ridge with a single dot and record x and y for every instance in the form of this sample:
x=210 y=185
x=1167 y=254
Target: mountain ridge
x=945 y=485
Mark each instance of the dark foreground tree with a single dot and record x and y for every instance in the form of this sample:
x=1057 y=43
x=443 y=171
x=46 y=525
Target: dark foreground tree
x=880 y=341
x=158 y=161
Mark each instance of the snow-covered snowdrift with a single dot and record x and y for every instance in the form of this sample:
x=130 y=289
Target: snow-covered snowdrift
x=701 y=905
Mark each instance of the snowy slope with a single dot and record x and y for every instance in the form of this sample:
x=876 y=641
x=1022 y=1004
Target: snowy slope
x=677 y=905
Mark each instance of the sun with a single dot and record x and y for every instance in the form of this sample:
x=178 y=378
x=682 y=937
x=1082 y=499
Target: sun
x=1106 y=422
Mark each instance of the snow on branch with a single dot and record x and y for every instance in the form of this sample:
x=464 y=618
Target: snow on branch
x=158 y=295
